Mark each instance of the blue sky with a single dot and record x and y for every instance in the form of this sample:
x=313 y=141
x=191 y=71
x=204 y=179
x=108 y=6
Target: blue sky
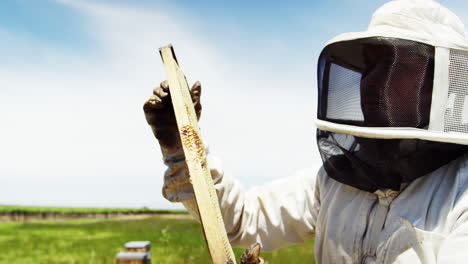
x=235 y=24
x=74 y=75
x=43 y=20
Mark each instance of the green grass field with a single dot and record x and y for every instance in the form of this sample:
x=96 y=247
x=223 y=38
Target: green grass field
x=174 y=239
x=11 y=209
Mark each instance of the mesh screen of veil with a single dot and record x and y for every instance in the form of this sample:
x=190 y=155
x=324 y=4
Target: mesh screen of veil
x=370 y=164
x=376 y=82
x=456 y=108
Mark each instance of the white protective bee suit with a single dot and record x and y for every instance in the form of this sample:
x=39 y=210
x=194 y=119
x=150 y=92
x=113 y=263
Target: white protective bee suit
x=424 y=220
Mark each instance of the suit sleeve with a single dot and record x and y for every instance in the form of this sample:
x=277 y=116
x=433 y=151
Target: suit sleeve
x=276 y=215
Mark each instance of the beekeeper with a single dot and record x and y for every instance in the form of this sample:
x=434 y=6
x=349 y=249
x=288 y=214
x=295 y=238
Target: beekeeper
x=393 y=135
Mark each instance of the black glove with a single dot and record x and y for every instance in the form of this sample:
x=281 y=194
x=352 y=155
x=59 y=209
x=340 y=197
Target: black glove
x=160 y=116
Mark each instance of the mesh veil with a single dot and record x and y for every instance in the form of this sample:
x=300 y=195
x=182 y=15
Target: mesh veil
x=371 y=164
x=376 y=82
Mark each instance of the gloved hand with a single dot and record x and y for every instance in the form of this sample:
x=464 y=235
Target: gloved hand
x=160 y=115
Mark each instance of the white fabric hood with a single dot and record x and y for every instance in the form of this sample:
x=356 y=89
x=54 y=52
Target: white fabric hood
x=428 y=22
x=420 y=20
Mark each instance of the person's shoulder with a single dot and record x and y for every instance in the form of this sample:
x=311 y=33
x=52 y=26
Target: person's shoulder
x=454 y=174
x=443 y=191
x=325 y=183
x=315 y=174
x=310 y=171
x=461 y=165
